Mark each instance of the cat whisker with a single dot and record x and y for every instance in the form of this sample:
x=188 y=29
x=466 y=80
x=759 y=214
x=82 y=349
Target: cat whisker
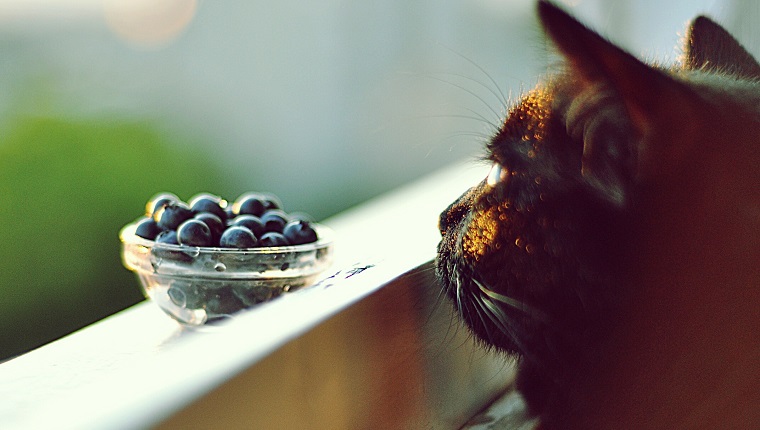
x=475 y=117
x=440 y=292
x=498 y=93
x=482 y=314
x=497 y=317
x=458 y=294
x=440 y=296
x=513 y=303
x=502 y=321
x=494 y=128
x=503 y=98
x=488 y=106
x=479 y=136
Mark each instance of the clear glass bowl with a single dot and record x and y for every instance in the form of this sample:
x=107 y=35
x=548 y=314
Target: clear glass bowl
x=196 y=286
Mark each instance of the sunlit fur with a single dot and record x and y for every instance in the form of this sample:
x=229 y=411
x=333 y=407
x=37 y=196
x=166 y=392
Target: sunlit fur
x=528 y=261
x=616 y=222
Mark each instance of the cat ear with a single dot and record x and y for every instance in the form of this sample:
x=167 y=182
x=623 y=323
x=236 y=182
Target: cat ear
x=710 y=47
x=662 y=110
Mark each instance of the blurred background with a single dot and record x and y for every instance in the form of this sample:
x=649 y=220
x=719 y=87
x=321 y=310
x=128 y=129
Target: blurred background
x=326 y=103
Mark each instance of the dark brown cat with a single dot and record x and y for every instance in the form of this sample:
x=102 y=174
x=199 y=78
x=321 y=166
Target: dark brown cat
x=615 y=245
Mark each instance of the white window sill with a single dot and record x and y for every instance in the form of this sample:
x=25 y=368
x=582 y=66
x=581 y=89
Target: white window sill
x=377 y=349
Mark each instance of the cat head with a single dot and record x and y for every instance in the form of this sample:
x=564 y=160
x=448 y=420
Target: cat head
x=599 y=173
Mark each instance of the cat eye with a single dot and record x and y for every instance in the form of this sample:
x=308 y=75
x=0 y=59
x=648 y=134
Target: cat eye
x=497 y=175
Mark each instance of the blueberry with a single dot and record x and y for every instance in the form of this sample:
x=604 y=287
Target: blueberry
x=213 y=222
x=249 y=203
x=159 y=200
x=171 y=215
x=147 y=228
x=230 y=213
x=272 y=238
x=194 y=232
x=168 y=237
x=208 y=196
x=300 y=216
x=206 y=202
x=274 y=220
x=222 y=301
x=251 y=295
x=271 y=202
x=253 y=223
x=299 y=232
x=237 y=237
x=255 y=219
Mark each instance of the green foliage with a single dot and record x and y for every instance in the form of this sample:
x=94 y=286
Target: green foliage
x=66 y=188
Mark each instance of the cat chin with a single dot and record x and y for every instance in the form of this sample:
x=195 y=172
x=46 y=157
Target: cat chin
x=527 y=282
x=484 y=321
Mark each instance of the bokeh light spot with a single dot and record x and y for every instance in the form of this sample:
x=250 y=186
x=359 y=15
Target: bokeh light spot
x=149 y=23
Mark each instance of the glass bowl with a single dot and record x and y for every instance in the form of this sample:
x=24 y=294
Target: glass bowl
x=199 y=285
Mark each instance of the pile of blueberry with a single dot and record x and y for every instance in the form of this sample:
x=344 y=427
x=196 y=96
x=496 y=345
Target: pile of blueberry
x=254 y=220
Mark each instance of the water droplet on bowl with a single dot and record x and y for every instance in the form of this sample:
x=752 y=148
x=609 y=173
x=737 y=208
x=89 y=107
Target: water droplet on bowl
x=220 y=267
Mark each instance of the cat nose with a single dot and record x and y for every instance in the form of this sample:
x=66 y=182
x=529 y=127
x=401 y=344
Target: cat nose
x=445 y=220
x=456 y=212
x=443 y=224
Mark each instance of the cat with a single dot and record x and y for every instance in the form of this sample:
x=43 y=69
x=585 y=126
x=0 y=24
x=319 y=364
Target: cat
x=614 y=247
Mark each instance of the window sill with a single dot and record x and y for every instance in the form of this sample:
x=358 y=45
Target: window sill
x=368 y=348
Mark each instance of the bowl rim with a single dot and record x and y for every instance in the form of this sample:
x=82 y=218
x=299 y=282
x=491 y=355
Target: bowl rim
x=325 y=236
